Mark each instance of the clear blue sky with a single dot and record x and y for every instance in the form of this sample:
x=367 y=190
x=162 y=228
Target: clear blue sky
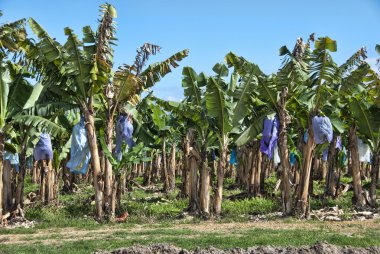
x=211 y=28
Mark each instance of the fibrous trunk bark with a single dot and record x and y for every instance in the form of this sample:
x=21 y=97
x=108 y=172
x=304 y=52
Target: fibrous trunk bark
x=165 y=176
x=19 y=200
x=355 y=168
x=172 y=167
x=7 y=186
x=331 y=176
x=374 y=180
x=302 y=209
x=220 y=177
x=205 y=186
x=284 y=120
x=193 y=174
x=95 y=163
x=108 y=186
x=185 y=168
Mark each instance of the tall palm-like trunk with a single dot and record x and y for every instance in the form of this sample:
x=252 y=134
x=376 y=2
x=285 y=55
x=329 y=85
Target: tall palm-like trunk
x=108 y=186
x=284 y=120
x=1 y=173
x=302 y=209
x=165 y=176
x=374 y=179
x=7 y=186
x=204 y=196
x=172 y=167
x=331 y=176
x=355 y=167
x=220 y=177
x=95 y=162
x=193 y=168
x=185 y=168
x=19 y=201
x=250 y=168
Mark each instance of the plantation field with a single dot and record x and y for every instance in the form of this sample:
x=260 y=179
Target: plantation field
x=287 y=232
x=68 y=227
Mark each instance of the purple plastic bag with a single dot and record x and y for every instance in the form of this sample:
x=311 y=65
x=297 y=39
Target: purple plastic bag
x=325 y=154
x=338 y=144
x=270 y=136
x=322 y=128
x=124 y=131
x=43 y=149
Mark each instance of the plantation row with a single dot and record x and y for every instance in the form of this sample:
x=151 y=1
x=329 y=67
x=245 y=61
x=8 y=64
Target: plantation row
x=312 y=120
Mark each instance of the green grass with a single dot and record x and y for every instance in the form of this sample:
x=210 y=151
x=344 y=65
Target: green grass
x=248 y=207
x=189 y=239
x=158 y=212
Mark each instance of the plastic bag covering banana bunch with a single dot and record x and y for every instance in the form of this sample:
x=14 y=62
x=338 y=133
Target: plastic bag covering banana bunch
x=124 y=131
x=364 y=151
x=80 y=151
x=43 y=149
x=322 y=128
x=270 y=136
x=12 y=158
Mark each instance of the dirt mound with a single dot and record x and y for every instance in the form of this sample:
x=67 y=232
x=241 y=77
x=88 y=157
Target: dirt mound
x=318 y=248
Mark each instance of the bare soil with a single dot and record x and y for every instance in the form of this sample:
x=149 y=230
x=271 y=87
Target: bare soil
x=318 y=248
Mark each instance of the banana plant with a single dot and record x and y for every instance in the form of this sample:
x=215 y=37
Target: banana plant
x=363 y=108
x=82 y=71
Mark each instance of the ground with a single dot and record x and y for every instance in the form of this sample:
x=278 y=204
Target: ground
x=280 y=232
x=154 y=217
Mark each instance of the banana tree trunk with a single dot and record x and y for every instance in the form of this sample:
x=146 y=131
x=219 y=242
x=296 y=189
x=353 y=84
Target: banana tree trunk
x=1 y=174
x=205 y=186
x=256 y=183
x=148 y=171
x=374 y=180
x=302 y=209
x=250 y=166
x=19 y=198
x=331 y=176
x=220 y=177
x=355 y=167
x=172 y=167
x=108 y=186
x=265 y=164
x=185 y=168
x=165 y=177
x=95 y=163
x=284 y=120
x=50 y=182
x=7 y=186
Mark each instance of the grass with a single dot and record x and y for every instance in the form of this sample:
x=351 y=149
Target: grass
x=157 y=213
x=248 y=207
x=189 y=239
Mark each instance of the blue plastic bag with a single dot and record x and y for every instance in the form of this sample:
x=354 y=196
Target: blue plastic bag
x=270 y=136
x=292 y=159
x=43 y=149
x=124 y=131
x=13 y=159
x=80 y=151
x=325 y=154
x=233 y=160
x=322 y=129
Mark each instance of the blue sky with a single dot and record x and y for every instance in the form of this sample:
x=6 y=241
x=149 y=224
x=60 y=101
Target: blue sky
x=211 y=28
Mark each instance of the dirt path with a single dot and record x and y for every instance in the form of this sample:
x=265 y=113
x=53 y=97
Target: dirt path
x=59 y=235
